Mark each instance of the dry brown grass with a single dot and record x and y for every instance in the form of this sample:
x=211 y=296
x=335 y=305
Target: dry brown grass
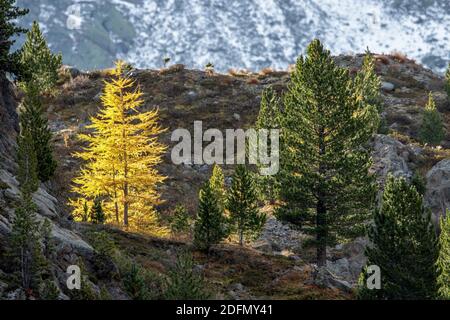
x=266 y=71
x=382 y=59
x=252 y=81
x=405 y=139
x=80 y=82
x=399 y=56
x=98 y=74
x=431 y=156
x=172 y=69
x=239 y=72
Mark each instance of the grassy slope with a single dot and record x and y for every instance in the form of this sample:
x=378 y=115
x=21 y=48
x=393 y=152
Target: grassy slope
x=263 y=276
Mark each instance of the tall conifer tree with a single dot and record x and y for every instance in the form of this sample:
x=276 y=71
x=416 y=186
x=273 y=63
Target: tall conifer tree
x=9 y=62
x=269 y=118
x=27 y=162
x=368 y=83
x=96 y=213
x=210 y=226
x=447 y=80
x=121 y=157
x=404 y=246
x=33 y=120
x=242 y=204
x=217 y=182
x=325 y=127
x=25 y=246
x=40 y=65
x=432 y=129
x=444 y=258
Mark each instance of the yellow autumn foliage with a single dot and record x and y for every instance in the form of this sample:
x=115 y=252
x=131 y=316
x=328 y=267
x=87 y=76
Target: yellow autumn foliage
x=121 y=156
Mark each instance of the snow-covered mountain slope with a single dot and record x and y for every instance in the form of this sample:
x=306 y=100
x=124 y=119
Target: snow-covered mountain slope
x=239 y=33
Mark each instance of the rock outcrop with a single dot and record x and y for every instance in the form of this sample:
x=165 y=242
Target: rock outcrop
x=8 y=123
x=69 y=245
x=279 y=237
x=437 y=196
x=391 y=156
x=325 y=278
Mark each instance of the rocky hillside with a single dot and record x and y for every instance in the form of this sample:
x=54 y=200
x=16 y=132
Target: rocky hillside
x=277 y=266
x=8 y=119
x=69 y=245
x=231 y=272
x=232 y=101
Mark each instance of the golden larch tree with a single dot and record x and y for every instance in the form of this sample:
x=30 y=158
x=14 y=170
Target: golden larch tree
x=121 y=156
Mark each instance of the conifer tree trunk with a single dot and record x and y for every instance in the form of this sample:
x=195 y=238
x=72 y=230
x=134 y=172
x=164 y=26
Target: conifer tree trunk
x=23 y=267
x=242 y=204
x=321 y=235
x=125 y=184
x=125 y=167
x=321 y=221
x=125 y=204
x=116 y=205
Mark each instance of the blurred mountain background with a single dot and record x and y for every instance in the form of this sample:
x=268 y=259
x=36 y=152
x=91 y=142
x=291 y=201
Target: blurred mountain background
x=249 y=34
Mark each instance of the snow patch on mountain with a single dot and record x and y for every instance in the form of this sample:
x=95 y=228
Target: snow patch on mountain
x=248 y=34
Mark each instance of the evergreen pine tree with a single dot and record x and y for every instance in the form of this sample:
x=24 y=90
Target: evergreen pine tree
x=325 y=127
x=444 y=258
x=180 y=221
x=217 y=182
x=447 y=80
x=210 y=225
x=85 y=212
x=25 y=241
x=96 y=213
x=103 y=244
x=404 y=246
x=9 y=62
x=27 y=163
x=432 y=129
x=40 y=65
x=46 y=236
x=419 y=183
x=33 y=120
x=46 y=253
x=368 y=83
x=134 y=282
x=369 y=87
x=183 y=282
x=242 y=203
x=48 y=290
x=269 y=118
